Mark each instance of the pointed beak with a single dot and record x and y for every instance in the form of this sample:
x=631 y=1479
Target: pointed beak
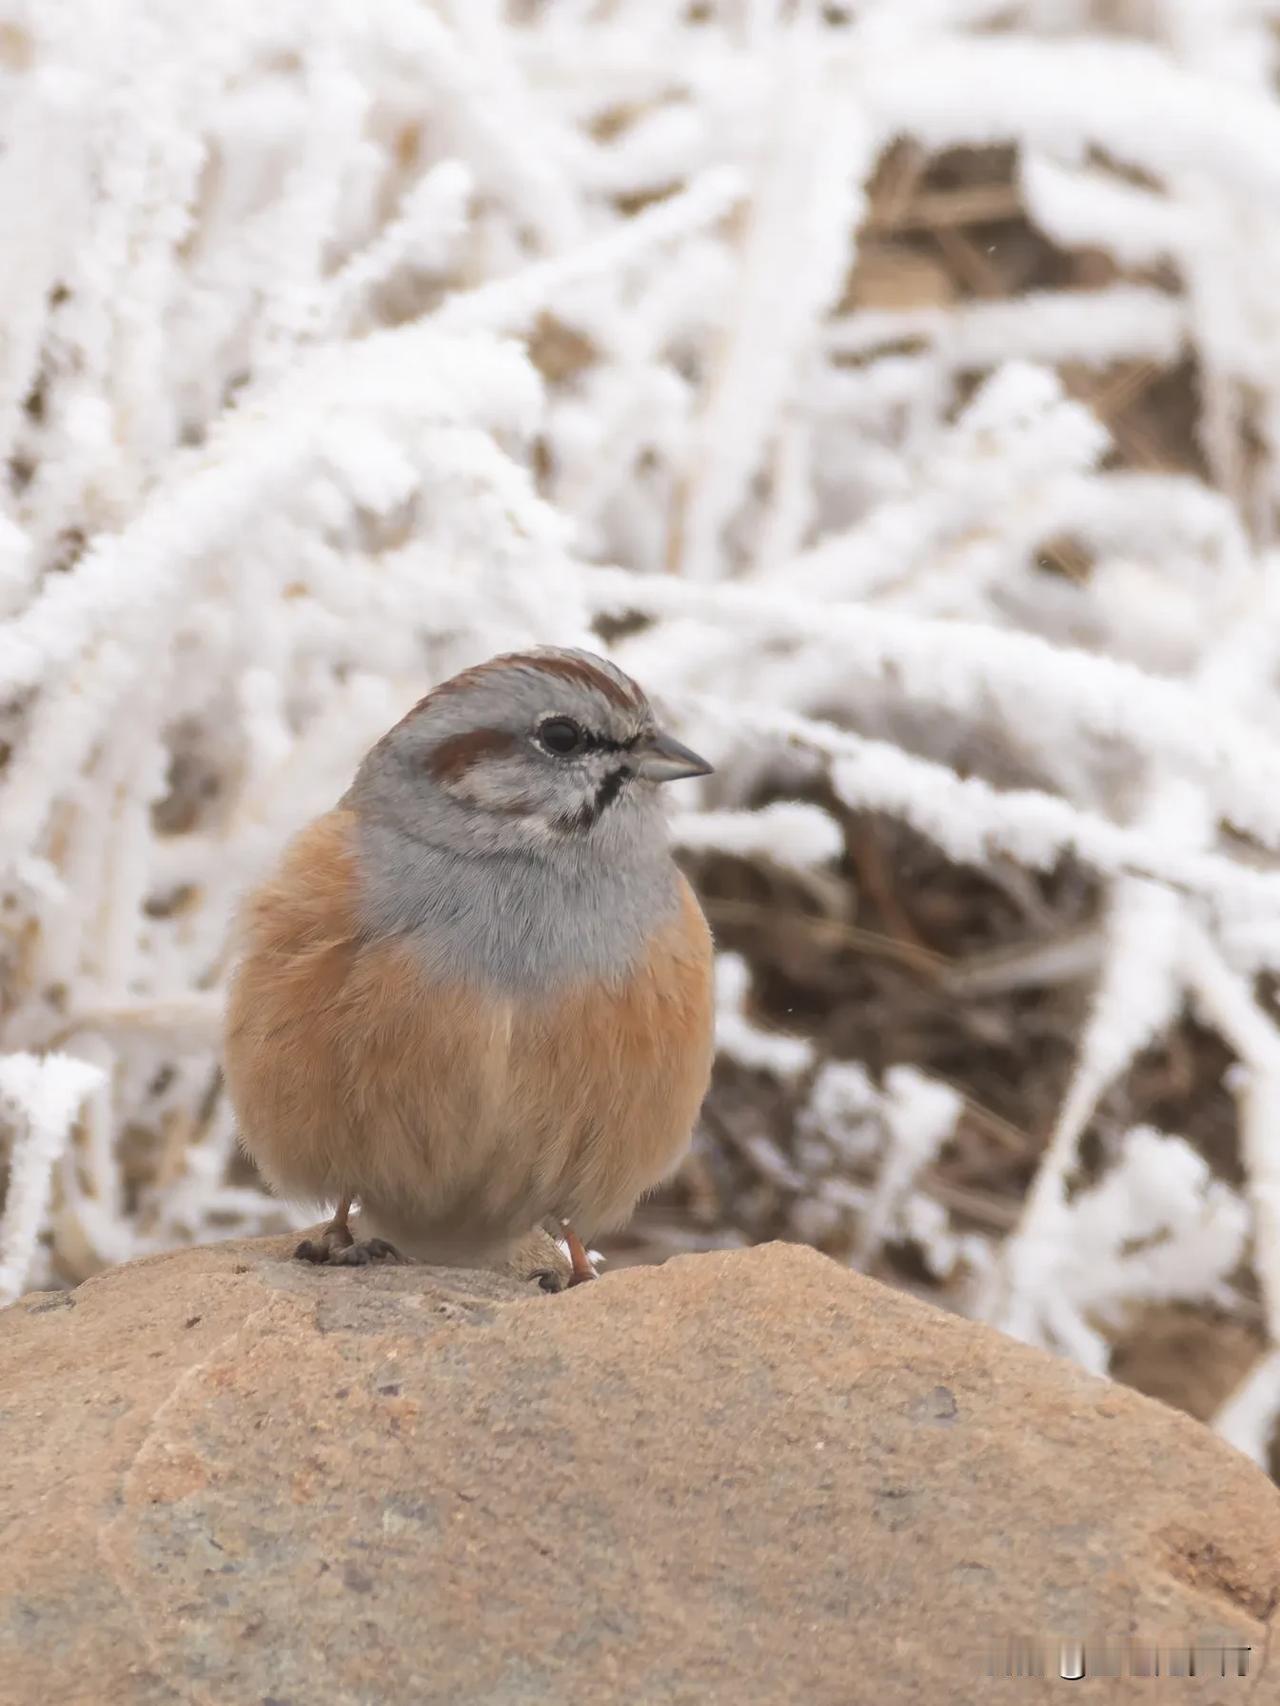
x=663 y=759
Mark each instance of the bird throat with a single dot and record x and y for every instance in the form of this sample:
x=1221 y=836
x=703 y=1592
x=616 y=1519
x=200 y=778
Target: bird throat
x=511 y=921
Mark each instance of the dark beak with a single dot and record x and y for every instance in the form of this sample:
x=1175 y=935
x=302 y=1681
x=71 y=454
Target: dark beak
x=660 y=758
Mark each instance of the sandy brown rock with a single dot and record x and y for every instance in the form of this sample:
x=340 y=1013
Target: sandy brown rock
x=233 y=1480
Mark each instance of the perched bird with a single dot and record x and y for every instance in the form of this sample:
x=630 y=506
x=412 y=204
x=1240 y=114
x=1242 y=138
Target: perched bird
x=476 y=995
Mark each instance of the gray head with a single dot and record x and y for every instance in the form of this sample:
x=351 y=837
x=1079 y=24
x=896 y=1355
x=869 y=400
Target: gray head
x=548 y=752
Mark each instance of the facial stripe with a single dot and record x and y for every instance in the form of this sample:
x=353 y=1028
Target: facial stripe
x=611 y=787
x=588 y=815
x=451 y=760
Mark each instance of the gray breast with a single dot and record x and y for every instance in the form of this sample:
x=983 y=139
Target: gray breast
x=512 y=921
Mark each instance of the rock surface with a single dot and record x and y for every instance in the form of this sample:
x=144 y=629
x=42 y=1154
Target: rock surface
x=233 y=1480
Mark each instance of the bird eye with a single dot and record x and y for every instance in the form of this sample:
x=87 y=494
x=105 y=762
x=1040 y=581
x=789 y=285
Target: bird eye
x=560 y=735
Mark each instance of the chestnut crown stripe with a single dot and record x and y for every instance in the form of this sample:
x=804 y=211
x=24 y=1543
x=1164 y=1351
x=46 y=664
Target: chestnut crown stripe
x=579 y=671
x=619 y=690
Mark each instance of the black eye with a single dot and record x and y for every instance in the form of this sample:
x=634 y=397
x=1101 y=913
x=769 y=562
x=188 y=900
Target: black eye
x=561 y=735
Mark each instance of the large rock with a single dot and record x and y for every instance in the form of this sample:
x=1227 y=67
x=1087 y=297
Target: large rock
x=232 y=1480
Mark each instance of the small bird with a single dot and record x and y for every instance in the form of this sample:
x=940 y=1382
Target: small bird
x=476 y=996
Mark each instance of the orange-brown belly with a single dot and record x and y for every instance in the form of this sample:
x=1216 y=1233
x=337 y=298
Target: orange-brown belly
x=460 y=1119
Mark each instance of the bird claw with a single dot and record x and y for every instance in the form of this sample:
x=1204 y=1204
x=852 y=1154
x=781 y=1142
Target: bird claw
x=366 y=1251
x=356 y=1253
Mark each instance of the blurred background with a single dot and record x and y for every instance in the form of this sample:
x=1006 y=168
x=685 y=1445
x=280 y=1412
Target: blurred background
x=893 y=388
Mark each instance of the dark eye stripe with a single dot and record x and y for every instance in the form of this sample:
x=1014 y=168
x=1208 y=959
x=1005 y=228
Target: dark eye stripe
x=604 y=743
x=592 y=741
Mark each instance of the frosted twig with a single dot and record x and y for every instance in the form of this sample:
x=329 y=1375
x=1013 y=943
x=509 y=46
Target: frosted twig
x=39 y=1098
x=959 y=665
x=509 y=304
x=1229 y=1004
x=1247 y=1419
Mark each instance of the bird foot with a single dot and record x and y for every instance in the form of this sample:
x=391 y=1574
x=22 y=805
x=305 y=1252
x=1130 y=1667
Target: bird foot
x=538 y=1258
x=336 y=1248
x=364 y=1252
x=582 y=1268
